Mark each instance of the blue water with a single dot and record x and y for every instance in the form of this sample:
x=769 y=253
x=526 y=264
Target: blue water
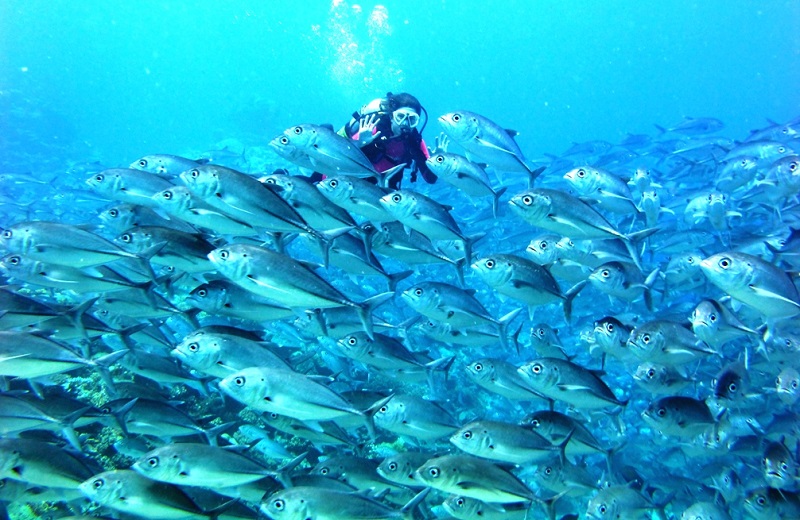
x=117 y=80
x=109 y=82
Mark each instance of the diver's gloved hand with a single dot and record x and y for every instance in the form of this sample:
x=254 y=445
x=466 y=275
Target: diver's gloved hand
x=442 y=142
x=365 y=127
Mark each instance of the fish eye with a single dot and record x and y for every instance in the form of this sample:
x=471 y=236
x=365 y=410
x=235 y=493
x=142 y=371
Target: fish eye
x=418 y=292
x=352 y=341
x=712 y=317
x=581 y=173
x=661 y=412
x=434 y=472
x=543 y=244
x=605 y=273
x=297 y=130
x=527 y=200
x=14 y=260
x=794 y=384
x=781 y=149
x=610 y=327
x=784 y=466
x=392 y=466
x=439 y=159
x=333 y=183
x=540 y=332
x=456 y=118
x=152 y=462
x=478 y=367
x=646 y=338
x=535 y=423
x=239 y=381
x=223 y=254
x=690 y=260
x=467 y=435
x=195 y=173
x=651 y=373
x=761 y=500
x=489 y=264
x=278 y=504
x=194 y=347
x=396 y=198
x=168 y=195
x=710 y=197
x=202 y=293
x=113 y=213
x=98 y=483
x=732 y=387
x=142 y=163
x=324 y=471
x=725 y=263
x=126 y=237
x=284 y=140
x=99 y=178
x=793 y=166
x=459 y=502
x=548 y=470
x=536 y=369
x=602 y=509
x=383 y=409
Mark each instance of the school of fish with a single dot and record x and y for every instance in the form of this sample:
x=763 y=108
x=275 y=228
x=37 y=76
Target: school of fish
x=611 y=333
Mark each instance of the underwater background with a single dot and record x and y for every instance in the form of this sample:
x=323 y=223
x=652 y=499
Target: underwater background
x=90 y=86
x=116 y=80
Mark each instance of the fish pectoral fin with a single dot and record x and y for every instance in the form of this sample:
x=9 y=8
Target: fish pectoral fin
x=493 y=146
x=564 y=222
x=769 y=294
x=468 y=484
x=573 y=388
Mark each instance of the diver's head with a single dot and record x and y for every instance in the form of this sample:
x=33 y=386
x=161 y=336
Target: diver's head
x=405 y=113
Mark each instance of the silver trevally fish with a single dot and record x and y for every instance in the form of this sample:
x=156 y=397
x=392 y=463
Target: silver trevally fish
x=754 y=282
x=129 y=492
x=562 y=213
x=179 y=202
x=190 y=464
x=474 y=478
x=288 y=393
x=165 y=165
x=425 y=215
x=326 y=152
x=465 y=175
x=565 y=381
x=486 y=140
x=125 y=185
x=62 y=244
x=281 y=279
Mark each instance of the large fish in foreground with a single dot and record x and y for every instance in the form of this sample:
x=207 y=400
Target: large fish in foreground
x=486 y=140
x=754 y=282
x=281 y=279
x=564 y=214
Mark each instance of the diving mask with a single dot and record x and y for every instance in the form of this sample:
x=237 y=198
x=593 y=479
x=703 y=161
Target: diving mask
x=405 y=116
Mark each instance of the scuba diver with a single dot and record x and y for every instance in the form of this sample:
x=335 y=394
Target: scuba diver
x=389 y=132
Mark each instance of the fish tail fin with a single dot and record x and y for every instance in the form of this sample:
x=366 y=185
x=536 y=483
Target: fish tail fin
x=365 y=315
x=648 y=288
x=502 y=329
x=570 y=296
x=392 y=279
x=407 y=511
x=459 y=266
x=496 y=200
x=211 y=434
x=533 y=174
x=369 y=415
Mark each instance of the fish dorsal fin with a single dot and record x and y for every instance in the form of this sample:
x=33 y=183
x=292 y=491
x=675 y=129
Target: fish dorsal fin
x=328 y=126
